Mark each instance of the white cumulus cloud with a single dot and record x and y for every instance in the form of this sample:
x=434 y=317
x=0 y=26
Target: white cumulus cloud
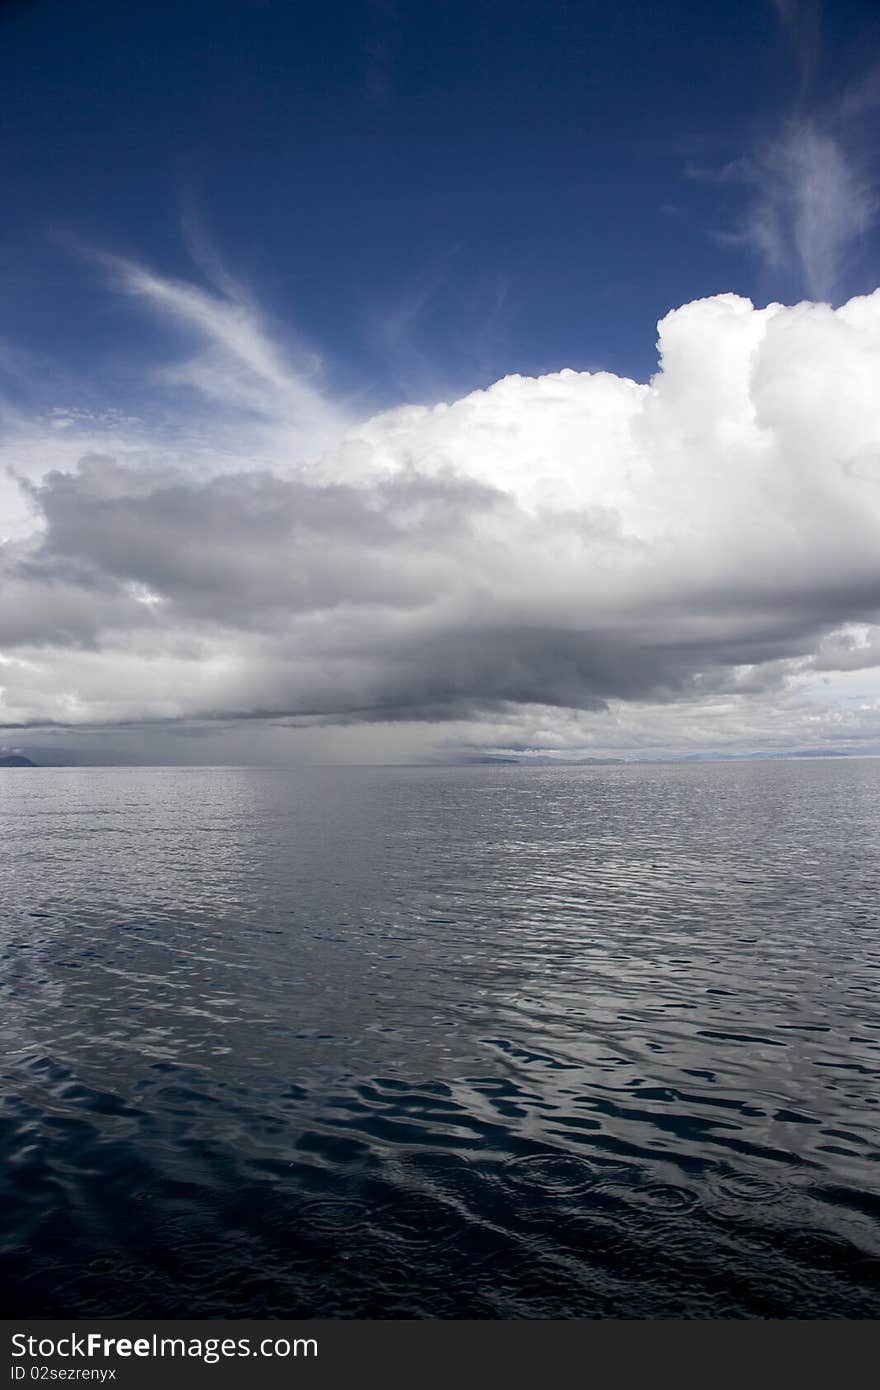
x=574 y=561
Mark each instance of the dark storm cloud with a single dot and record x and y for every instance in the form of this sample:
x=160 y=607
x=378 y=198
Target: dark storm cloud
x=236 y=549
x=386 y=601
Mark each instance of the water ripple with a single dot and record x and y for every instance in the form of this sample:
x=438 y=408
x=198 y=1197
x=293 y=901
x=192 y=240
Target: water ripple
x=486 y=1042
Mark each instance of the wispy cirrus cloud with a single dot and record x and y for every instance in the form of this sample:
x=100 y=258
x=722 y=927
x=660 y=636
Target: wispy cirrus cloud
x=240 y=363
x=802 y=24
x=810 y=206
x=810 y=185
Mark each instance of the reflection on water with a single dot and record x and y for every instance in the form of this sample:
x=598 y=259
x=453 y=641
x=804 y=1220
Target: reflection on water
x=486 y=1042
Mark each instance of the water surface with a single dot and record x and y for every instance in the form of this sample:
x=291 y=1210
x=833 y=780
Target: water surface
x=481 y=1042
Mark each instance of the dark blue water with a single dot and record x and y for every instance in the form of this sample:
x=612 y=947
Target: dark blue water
x=487 y=1042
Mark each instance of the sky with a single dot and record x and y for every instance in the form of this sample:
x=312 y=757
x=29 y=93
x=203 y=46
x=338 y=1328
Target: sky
x=426 y=382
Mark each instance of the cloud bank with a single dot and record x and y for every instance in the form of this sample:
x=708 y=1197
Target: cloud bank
x=574 y=561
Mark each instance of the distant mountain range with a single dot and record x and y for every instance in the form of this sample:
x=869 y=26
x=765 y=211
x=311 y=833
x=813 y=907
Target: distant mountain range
x=546 y=760
x=492 y=759
x=56 y=759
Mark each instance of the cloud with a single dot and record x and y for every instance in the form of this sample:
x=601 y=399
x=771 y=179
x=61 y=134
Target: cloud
x=811 y=204
x=239 y=367
x=811 y=193
x=576 y=552
x=801 y=21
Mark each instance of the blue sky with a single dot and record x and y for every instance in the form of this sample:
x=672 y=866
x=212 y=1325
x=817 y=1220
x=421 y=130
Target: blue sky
x=403 y=381
x=430 y=194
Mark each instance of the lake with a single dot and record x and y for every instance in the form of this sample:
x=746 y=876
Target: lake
x=489 y=1042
